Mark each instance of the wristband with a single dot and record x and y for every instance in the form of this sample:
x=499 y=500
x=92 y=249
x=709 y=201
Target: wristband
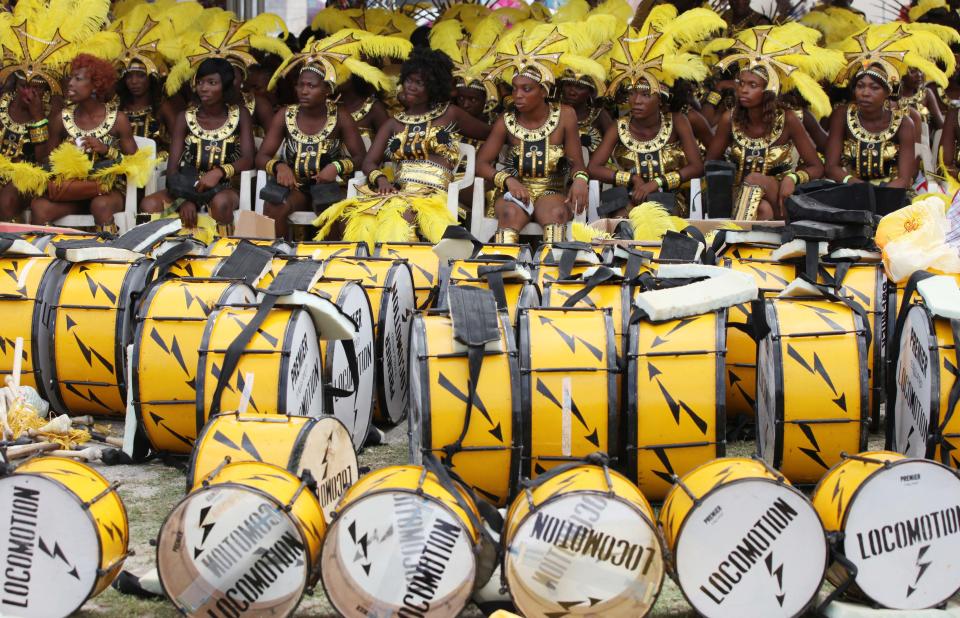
x=660 y=182
x=375 y=175
x=112 y=153
x=271 y=166
x=39 y=123
x=336 y=165
x=581 y=175
x=846 y=179
x=792 y=176
x=346 y=167
x=500 y=179
x=38 y=135
x=228 y=170
x=802 y=177
x=673 y=180
x=622 y=179
x=714 y=98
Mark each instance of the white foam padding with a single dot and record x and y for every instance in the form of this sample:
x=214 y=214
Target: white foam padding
x=941 y=295
x=583 y=257
x=796 y=248
x=749 y=237
x=330 y=320
x=860 y=254
x=105 y=252
x=196 y=247
x=171 y=227
x=453 y=249
x=722 y=288
x=22 y=247
x=593 y=269
x=799 y=287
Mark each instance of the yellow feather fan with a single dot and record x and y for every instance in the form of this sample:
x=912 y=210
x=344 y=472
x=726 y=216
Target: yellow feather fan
x=135 y=167
x=651 y=221
x=581 y=232
x=68 y=162
x=881 y=46
x=835 y=23
x=28 y=178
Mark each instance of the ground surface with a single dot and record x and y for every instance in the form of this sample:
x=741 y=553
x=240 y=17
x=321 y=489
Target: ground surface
x=151 y=491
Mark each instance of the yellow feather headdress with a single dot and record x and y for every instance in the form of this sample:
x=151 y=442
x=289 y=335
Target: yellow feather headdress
x=374 y=21
x=887 y=51
x=653 y=57
x=835 y=23
x=540 y=52
x=335 y=58
x=787 y=57
x=473 y=54
x=139 y=43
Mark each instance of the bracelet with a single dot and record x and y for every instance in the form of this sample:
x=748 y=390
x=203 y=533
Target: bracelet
x=660 y=181
x=802 y=177
x=336 y=165
x=673 y=180
x=112 y=153
x=374 y=176
x=39 y=123
x=38 y=135
x=846 y=179
x=581 y=175
x=271 y=166
x=714 y=98
x=500 y=179
x=622 y=179
x=228 y=170
x=792 y=176
x=346 y=167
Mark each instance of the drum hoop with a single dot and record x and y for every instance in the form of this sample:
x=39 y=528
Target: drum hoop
x=631 y=455
x=526 y=395
x=59 y=268
x=311 y=570
x=360 y=246
x=380 y=335
x=613 y=401
x=338 y=516
x=654 y=528
x=934 y=357
x=135 y=280
x=826 y=543
x=286 y=356
x=202 y=362
x=861 y=325
x=721 y=383
x=775 y=347
x=40 y=345
x=93 y=523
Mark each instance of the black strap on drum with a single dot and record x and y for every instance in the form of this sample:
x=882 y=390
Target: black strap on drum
x=493 y=275
x=246 y=262
x=599 y=276
x=488 y=512
x=840 y=270
x=854 y=306
x=635 y=261
x=708 y=256
x=6 y=241
x=568 y=256
x=475 y=324
x=171 y=255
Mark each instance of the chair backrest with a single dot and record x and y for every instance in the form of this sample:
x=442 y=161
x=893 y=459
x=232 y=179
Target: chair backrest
x=145 y=142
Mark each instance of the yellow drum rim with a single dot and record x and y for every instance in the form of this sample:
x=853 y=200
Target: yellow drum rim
x=895 y=458
x=360 y=247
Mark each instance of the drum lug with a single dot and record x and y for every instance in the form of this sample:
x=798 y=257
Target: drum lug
x=116 y=563
x=776 y=473
x=296 y=496
x=113 y=487
x=206 y=480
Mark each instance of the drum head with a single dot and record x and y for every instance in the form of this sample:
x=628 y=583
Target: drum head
x=917 y=385
x=393 y=336
x=751 y=547
x=902 y=531
x=389 y=533
x=328 y=453
x=584 y=553
x=355 y=411
x=302 y=379
x=50 y=549
x=229 y=550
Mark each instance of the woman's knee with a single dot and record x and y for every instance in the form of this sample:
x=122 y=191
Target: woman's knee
x=153 y=202
x=41 y=210
x=11 y=203
x=222 y=206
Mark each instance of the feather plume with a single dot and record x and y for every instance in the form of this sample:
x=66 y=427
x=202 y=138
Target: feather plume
x=136 y=167
x=362 y=227
x=326 y=219
x=68 y=162
x=433 y=217
x=581 y=232
x=572 y=10
x=650 y=221
x=28 y=178
x=391 y=225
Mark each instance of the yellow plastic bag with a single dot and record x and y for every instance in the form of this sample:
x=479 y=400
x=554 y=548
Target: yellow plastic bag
x=914 y=238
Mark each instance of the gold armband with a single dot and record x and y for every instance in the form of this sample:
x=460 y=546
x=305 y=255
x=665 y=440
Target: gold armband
x=228 y=170
x=622 y=179
x=271 y=166
x=375 y=175
x=38 y=135
x=500 y=179
x=714 y=98
x=346 y=167
x=802 y=177
x=112 y=153
x=673 y=181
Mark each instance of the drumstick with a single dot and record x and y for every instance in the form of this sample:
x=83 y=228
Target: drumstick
x=89 y=454
x=19 y=452
x=82 y=420
x=111 y=440
x=4 y=423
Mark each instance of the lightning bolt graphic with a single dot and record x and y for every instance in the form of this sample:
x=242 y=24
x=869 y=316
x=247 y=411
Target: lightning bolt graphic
x=778 y=573
x=58 y=554
x=922 y=568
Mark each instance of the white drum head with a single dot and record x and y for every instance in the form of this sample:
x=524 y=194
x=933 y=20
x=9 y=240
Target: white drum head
x=230 y=551
x=328 y=454
x=49 y=548
x=584 y=553
x=394 y=552
x=902 y=531
x=355 y=411
x=914 y=377
x=398 y=304
x=304 y=383
x=751 y=548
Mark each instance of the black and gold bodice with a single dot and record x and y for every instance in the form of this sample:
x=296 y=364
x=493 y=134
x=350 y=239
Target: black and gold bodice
x=759 y=154
x=102 y=131
x=306 y=153
x=868 y=155
x=206 y=149
x=648 y=158
x=360 y=113
x=917 y=101
x=590 y=135
x=415 y=148
x=146 y=123
x=534 y=156
x=15 y=142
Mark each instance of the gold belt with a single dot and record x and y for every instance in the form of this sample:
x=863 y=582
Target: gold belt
x=426 y=173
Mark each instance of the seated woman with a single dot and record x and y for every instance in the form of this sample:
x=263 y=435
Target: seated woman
x=759 y=136
x=150 y=114
x=303 y=143
x=423 y=143
x=98 y=129
x=653 y=150
x=212 y=143
x=544 y=145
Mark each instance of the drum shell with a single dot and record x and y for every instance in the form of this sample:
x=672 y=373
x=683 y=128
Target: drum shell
x=519 y=294
x=424 y=266
x=105 y=293
x=662 y=358
x=584 y=348
x=107 y=513
x=20 y=299
x=294 y=443
x=616 y=296
x=286 y=333
x=830 y=368
x=433 y=359
x=520 y=253
x=175 y=311
x=224 y=247
x=196 y=266
x=324 y=250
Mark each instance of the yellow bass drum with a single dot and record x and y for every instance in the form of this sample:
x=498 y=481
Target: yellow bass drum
x=582 y=543
x=424 y=265
x=224 y=247
x=923 y=422
x=90 y=323
x=811 y=386
x=389 y=284
x=489 y=458
x=67 y=537
x=166 y=348
x=900 y=525
x=568 y=362
x=46 y=241
x=282 y=359
x=390 y=522
x=245 y=543
x=196 y=266
x=549 y=269
x=743 y=541
x=675 y=398
x=324 y=250
x=491 y=250
x=321 y=446
x=21 y=310
x=517 y=293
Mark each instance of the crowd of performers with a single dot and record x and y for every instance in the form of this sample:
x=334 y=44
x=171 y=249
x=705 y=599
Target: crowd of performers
x=636 y=100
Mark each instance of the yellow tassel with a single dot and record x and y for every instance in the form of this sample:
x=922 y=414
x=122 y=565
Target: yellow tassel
x=69 y=163
x=650 y=221
x=331 y=215
x=581 y=232
x=361 y=227
x=433 y=217
x=391 y=226
x=28 y=178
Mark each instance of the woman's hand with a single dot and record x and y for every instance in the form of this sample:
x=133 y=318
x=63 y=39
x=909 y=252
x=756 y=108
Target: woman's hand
x=578 y=195
x=285 y=177
x=787 y=187
x=518 y=190
x=384 y=187
x=327 y=175
x=92 y=144
x=34 y=103
x=642 y=189
x=188 y=215
x=210 y=180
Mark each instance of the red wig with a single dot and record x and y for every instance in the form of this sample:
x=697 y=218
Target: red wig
x=101 y=73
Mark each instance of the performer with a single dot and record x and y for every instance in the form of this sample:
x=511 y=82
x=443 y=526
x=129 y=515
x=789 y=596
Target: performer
x=360 y=100
x=24 y=106
x=580 y=92
x=917 y=96
x=543 y=138
x=423 y=142
x=872 y=140
x=653 y=150
x=212 y=142
x=758 y=135
x=302 y=148
x=101 y=131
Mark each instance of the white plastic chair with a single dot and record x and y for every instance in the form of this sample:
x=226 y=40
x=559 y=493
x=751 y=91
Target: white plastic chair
x=483 y=227
x=696 y=200
x=126 y=219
